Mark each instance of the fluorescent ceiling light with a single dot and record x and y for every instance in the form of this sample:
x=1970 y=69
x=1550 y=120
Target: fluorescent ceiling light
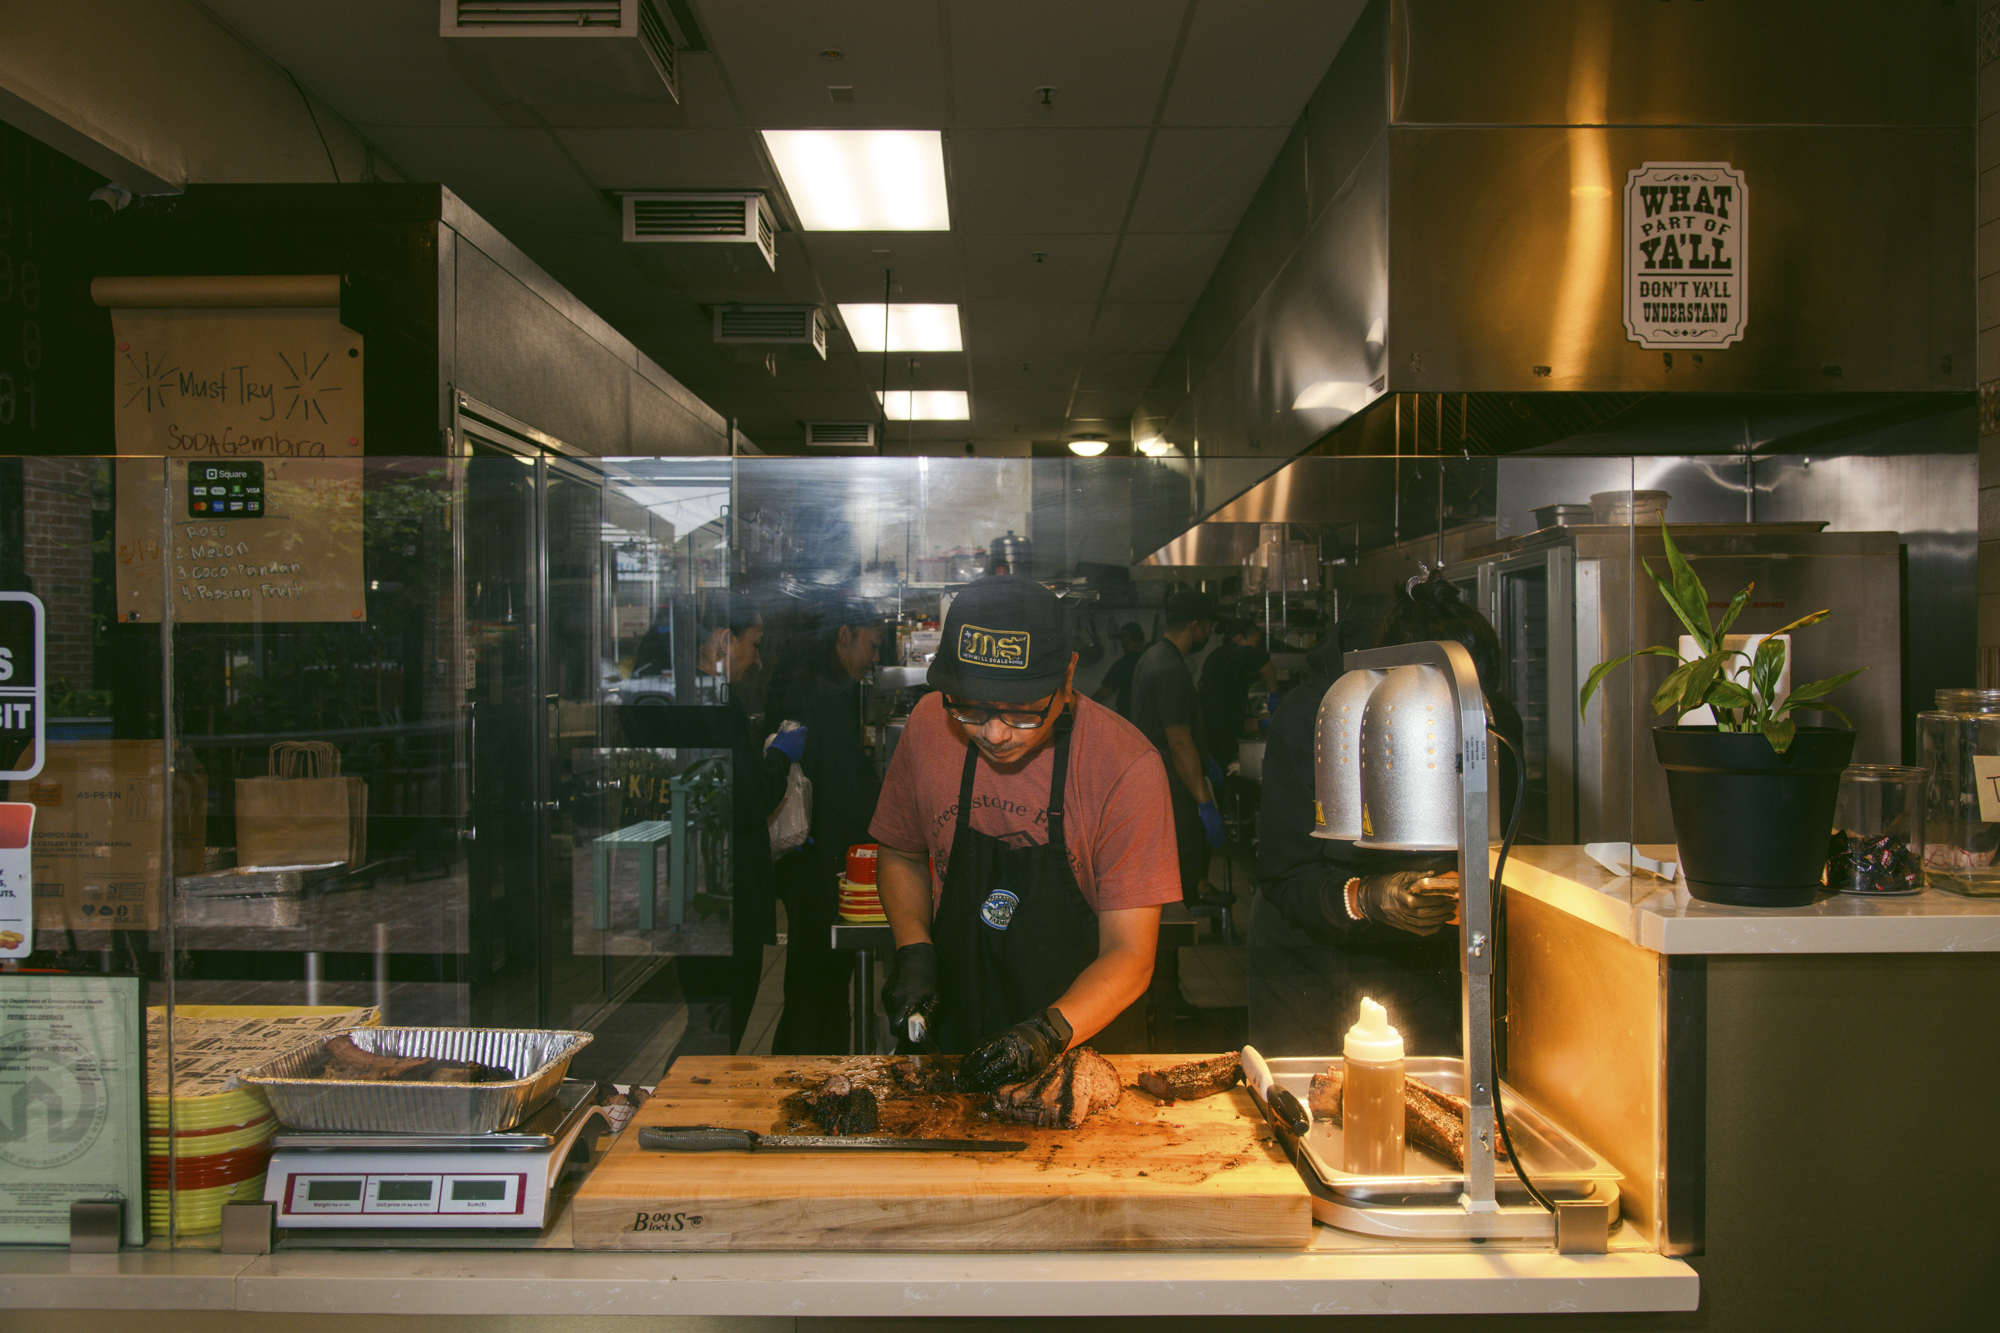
x=863 y=180
x=1087 y=448
x=926 y=405
x=912 y=328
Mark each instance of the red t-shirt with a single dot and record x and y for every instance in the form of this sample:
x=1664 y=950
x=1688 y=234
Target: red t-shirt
x=1118 y=821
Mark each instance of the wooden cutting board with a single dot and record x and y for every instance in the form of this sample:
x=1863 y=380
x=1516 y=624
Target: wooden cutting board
x=1145 y=1175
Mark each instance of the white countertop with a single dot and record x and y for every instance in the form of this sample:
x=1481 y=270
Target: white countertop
x=1370 y=1280
x=1663 y=918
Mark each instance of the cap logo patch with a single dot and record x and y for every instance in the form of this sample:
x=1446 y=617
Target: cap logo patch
x=993 y=647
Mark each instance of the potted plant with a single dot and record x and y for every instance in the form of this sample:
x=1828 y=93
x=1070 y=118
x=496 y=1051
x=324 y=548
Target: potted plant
x=1752 y=795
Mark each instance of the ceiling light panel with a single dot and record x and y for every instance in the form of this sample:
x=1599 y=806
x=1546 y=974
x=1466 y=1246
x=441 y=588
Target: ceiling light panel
x=863 y=180
x=926 y=405
x=911 y=328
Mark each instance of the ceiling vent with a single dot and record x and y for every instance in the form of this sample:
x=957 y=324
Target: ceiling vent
x=571 y=52
x=793 y=325
x=730 y=219
x=840 y=434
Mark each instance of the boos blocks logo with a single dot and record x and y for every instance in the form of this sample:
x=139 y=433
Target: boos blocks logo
x=1007 y=649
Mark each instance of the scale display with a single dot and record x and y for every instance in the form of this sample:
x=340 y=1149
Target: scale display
x=363 y=1195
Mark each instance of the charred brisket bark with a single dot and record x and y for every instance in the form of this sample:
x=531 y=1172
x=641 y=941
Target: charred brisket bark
x=345 y=1060
x=1432 y=1120
x=1197 y=1078
x=842 y=1108
x=1080 y=1083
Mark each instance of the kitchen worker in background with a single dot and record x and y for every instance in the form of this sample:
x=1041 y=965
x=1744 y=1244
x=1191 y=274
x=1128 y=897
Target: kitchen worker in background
x=1166 y=709
x=1116 y=687
x=817 y=684
x=731 y=637
x=1226 y=674
x=1045 y=817
x=1333 y=921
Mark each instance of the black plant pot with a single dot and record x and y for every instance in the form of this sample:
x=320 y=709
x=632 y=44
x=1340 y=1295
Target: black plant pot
x=1752 y=823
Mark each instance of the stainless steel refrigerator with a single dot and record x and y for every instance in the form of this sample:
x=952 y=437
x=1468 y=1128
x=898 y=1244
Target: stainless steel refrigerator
x=1565 y=599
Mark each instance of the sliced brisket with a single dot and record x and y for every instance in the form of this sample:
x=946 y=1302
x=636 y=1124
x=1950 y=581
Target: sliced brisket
x=1078 y=1085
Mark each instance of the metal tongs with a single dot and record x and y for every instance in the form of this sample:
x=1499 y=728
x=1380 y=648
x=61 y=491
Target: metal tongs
x=1281 y=1106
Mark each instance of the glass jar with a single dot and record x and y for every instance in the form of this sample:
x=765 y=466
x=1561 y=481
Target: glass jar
x=1878 y=838
x=1958 y=746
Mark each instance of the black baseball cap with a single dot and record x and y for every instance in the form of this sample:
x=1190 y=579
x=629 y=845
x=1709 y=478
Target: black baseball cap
x=1005 y=641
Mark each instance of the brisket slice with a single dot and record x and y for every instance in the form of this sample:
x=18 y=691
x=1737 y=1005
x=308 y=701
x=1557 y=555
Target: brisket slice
x=1197 y=1078
x=1432 y=1120
x=347 y=1061
x=1064 y=1095
x=842 y=1108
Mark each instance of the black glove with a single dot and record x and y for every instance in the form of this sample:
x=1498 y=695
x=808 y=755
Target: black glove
x=1018 y=1054
x=912 y=987
x=1416 y=901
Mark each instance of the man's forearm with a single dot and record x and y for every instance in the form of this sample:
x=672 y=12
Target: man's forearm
x=1187 y=762
x=1103 y=991
x=904 y=884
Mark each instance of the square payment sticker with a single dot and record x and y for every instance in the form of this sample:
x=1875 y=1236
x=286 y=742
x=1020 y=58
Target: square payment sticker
x=17 y=895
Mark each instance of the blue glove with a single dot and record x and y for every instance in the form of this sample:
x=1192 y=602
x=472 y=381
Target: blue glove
x=790 y=743
x=1211 y=822
x=1214 y=771
x=1271 y=702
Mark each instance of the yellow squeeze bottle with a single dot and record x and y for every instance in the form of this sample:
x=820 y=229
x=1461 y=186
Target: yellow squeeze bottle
x=1372 y=1095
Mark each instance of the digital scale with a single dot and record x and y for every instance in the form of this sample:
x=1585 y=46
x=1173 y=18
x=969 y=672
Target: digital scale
x=501 y=1180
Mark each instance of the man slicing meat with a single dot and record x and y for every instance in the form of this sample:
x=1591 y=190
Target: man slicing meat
x=1047 y=819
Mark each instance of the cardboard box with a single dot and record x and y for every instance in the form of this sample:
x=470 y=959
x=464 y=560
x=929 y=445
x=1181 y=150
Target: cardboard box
x=96 y=854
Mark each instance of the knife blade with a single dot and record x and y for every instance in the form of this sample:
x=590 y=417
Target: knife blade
x=716 y=1138
x=919 y=1029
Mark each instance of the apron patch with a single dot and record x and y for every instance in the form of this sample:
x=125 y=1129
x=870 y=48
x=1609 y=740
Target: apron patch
x=998 y=909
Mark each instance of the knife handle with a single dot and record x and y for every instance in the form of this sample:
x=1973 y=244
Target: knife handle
x=699 y=1138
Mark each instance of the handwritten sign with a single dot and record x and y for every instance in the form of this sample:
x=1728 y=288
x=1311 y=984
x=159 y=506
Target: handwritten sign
x=299 y=560
x=1685 y=258
x=239 y=383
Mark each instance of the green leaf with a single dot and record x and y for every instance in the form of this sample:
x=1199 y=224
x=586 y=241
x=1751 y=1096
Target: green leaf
x=1668 y=696
x=1803 y=621
x=1779 y=731
x=1736 y=605
x=1700 y=677
x=1820 y=687
x=1689 y=594
x=1727 y=694
x=1699 y=629
x=1603 y=669
x=1768 y=666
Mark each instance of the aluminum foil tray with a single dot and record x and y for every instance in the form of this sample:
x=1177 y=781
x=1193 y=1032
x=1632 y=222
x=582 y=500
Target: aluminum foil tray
x=538 y=1057
x=1424 y=1200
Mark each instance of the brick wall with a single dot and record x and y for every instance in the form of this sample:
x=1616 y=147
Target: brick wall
x=58 y=495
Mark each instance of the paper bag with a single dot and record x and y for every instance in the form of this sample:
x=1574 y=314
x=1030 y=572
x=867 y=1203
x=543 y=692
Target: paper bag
x=305 y=812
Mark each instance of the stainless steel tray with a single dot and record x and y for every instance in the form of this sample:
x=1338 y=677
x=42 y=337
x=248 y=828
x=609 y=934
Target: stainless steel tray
x=1425 y=1200
x=539 y=1058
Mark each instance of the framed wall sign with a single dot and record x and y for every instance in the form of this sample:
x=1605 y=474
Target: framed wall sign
x=21 y=702
x=1686 y=278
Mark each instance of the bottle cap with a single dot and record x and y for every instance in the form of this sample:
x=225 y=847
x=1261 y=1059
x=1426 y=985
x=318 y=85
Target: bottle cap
x=1371 y=1038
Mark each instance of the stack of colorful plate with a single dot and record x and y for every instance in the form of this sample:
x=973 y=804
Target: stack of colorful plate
x=859 y=900
x=220 y=1139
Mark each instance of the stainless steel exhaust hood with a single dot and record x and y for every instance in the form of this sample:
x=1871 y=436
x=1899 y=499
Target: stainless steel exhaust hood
x=1444 y=237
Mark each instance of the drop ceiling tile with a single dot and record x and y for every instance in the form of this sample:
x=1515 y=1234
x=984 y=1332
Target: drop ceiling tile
x=629 y=159
x=1052 y=180
x=934 y=370
x=1203 y=179
x=374 y=61
x=1104 y=404
x=1001 y=413
x=1023 y=330
x=1072 y=268
x=1165 y=268
x=1120 y=371
x=1106 y=60
x=892 y=56
x=1255 y=62
x=1053 y=375
x=1138 y=328
x=925 y=265
x=518 y=180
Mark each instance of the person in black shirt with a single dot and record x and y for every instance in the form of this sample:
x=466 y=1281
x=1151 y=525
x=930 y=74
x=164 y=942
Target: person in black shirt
x=1334 y=921
x=817 y=684
x=1166 y=709
x=1225 y=684
x=1116 y=687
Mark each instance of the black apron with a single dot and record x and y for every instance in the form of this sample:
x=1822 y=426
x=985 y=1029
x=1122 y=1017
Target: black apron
x=1013 y=928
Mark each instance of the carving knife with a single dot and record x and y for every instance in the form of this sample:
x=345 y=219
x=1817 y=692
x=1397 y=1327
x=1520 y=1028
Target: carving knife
x=715 y=1138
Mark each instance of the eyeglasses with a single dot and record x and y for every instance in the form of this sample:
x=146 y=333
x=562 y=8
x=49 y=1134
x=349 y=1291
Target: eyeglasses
x=1019 y=720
